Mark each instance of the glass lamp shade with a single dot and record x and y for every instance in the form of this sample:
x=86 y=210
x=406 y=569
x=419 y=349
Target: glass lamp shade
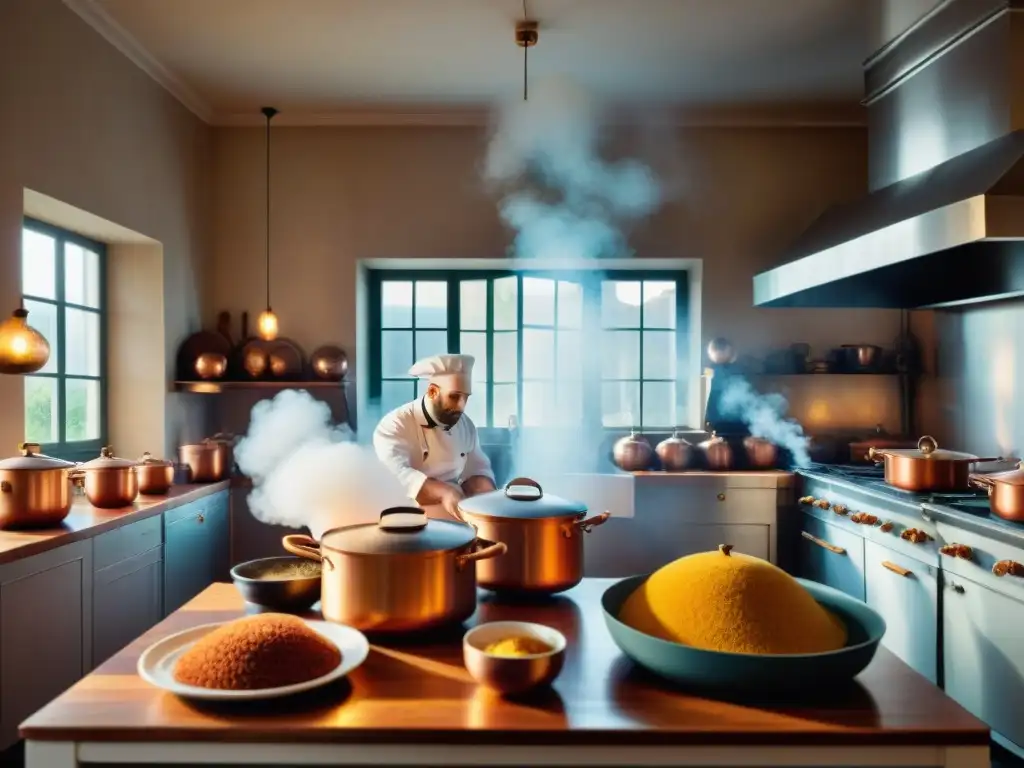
x=267 y=325
x=23 y=349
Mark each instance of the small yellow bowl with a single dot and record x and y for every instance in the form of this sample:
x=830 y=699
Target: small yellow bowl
x=513 y=674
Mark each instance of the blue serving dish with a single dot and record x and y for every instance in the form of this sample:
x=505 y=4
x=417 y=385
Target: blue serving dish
x=704 y=669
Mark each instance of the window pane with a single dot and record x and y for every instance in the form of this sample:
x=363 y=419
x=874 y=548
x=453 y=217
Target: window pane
x=394 y=394
x=506 y=294
x=538 y=355
x=476 y=408
x=538 y=301
x=421 y=387
x=620 y=403
x=620 y=353
x=431 y=304
x=81 y=277
x=43 y=317
x=539 y=405
x=506 y=365
x=660 y=404
x=620 y=304
x=569 y=396
x=475 y=344
x=431 y=343
x=396 y=304
x=569 y=362
x=83 y=411
x=41 y=409
x=504 y=403
x=473 y=305
x=82 y=340
x=38 y=265
x=570 y=305
x=659 y=354
x=395 y=353
x=659 y=304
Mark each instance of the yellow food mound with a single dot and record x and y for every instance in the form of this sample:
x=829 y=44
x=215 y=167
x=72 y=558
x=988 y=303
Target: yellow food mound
x=726 y=601
x=264 y=651
x=517 y=646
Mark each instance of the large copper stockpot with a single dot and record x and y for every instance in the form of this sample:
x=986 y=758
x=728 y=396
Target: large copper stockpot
x=926 y=468
x=404 y=573
x=209 y=460
x=543 y=533
x=35 y=490
x=109 y=482
x=1005 y=492
x=156 y=476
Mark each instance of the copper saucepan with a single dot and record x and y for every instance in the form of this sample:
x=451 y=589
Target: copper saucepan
x=404 y=573
x=927 y=467
x=1005 y=492
x=35 y=489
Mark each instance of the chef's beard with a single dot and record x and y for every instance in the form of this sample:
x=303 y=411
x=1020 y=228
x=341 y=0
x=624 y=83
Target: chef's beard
x=444 y=416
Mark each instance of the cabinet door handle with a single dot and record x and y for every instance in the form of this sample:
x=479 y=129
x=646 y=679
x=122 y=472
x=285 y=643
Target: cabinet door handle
x=200 y=518
x=1008 y=568
x=824 y=544
x=956 y=588
x=896 y=569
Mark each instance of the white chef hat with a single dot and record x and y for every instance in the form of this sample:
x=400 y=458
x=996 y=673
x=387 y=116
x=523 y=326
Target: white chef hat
x=449 y=372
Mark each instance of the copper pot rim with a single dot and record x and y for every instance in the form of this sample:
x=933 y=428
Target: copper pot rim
x=477 y=541
x=554 y=519
x=102 y=470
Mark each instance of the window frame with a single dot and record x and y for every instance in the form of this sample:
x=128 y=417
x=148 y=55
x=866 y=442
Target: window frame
x=77 y=450
x=591 y=281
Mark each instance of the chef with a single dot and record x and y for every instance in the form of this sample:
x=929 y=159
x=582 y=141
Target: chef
x=431 y=445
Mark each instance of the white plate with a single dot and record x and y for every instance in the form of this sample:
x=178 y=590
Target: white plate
x=156 y=664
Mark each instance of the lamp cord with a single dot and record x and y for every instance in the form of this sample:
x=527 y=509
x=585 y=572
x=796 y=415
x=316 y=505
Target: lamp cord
x=269 y=112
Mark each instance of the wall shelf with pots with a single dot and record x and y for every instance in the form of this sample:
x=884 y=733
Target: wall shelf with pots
x=214 y=387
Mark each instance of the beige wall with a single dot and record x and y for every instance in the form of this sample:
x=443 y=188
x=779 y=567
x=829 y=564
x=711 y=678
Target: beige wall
x=345 y=194
x=80 y=123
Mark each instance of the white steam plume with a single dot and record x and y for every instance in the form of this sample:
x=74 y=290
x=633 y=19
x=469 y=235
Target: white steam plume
x=763 y=415
x=308 y=473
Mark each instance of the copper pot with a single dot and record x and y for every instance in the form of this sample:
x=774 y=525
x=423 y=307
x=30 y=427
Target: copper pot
x=1005 y=492
x=329 y=363
x=109 y=482
x=210 y=460
x=761 y=453
x=674 y=453
x=717 y=453
x=404 y=573
x=926 y=468
x=632 y=453
x=156 y=476
x=543 y=533
x=211 y=365
x=35 y=490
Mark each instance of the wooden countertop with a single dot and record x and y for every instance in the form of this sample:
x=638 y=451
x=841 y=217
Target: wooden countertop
x=420 y=692
x=85 y=520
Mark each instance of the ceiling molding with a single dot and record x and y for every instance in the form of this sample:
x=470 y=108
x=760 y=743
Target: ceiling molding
x=97 y=17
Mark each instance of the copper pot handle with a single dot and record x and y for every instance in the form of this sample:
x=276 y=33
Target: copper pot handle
x=486 y=553
x=302 y=545
x=585 y=525
x=77 y=477
x=523 y=481
x=980 y=481
x=875 y=455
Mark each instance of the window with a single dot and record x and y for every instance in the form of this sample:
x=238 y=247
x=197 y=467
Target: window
x=550 y=348
x=62 y=285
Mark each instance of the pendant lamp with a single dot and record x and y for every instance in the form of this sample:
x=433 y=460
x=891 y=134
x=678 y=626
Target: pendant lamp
x=23 y=349
x=267 y=323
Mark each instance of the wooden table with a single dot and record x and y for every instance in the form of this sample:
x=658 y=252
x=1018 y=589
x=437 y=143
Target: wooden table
x=414 y=704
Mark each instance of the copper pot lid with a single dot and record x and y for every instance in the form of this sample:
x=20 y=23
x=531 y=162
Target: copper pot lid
x=399 y=531
x=107 y=460
x=675 y=438
x=32 y=458
x=518 y=502
x=1009 y=477
x=927 y=448
x=147 y=460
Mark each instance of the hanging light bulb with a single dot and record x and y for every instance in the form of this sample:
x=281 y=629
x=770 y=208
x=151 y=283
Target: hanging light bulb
x=267 y=325
x=23 y=349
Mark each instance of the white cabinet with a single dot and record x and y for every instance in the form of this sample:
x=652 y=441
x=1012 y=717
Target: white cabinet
x=905 y=591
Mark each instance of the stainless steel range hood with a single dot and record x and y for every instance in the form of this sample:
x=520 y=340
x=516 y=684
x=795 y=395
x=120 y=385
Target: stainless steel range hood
x=944 y=224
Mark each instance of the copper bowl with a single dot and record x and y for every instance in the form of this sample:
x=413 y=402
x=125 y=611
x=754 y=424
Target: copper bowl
x=329 y=363
x=513 y=674
x=211 y=365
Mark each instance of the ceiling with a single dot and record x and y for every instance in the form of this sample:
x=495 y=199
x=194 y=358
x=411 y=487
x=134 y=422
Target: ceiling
x=316 y=58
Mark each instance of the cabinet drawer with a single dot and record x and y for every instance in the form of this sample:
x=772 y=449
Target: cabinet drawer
x=832 y=556
x=126 y=542
x=905 y=591
x=186 y=511
x=985 y=553
x=127 y=601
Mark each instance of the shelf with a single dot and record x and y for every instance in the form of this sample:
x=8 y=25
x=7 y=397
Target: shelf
x=216 y=387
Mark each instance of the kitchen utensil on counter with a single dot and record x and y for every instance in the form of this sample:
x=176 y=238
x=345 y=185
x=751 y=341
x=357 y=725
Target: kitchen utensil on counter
x=512 y=675
x=156 y=476
x=156 y=664
x=632 y=453
x=705 y=669
x=35 y=489
x=927 y=467
x=881 y=439
x=209 y=460
x=211 y=365
x=859 y=358
x=543 y=535
x=329 y=363
x=404 y=573
x=717 y=453
x=1005 y=492
x=109 y=482
x=761 y=452
x=285 y=583
x=197 y=345
x=674 y=453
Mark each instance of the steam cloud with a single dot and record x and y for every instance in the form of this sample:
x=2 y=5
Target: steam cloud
x=558 y=194
x=763 y=414
x=309 y=473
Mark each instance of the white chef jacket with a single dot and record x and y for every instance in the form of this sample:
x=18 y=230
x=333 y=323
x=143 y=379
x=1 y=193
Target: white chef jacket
x=414 y=449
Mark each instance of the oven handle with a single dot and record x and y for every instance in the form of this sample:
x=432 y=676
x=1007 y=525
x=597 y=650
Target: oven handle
x=823 y=543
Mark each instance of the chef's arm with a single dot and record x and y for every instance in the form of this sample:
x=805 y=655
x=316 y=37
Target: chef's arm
x=392 y=448
x=478 y=473
x=477 y=484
